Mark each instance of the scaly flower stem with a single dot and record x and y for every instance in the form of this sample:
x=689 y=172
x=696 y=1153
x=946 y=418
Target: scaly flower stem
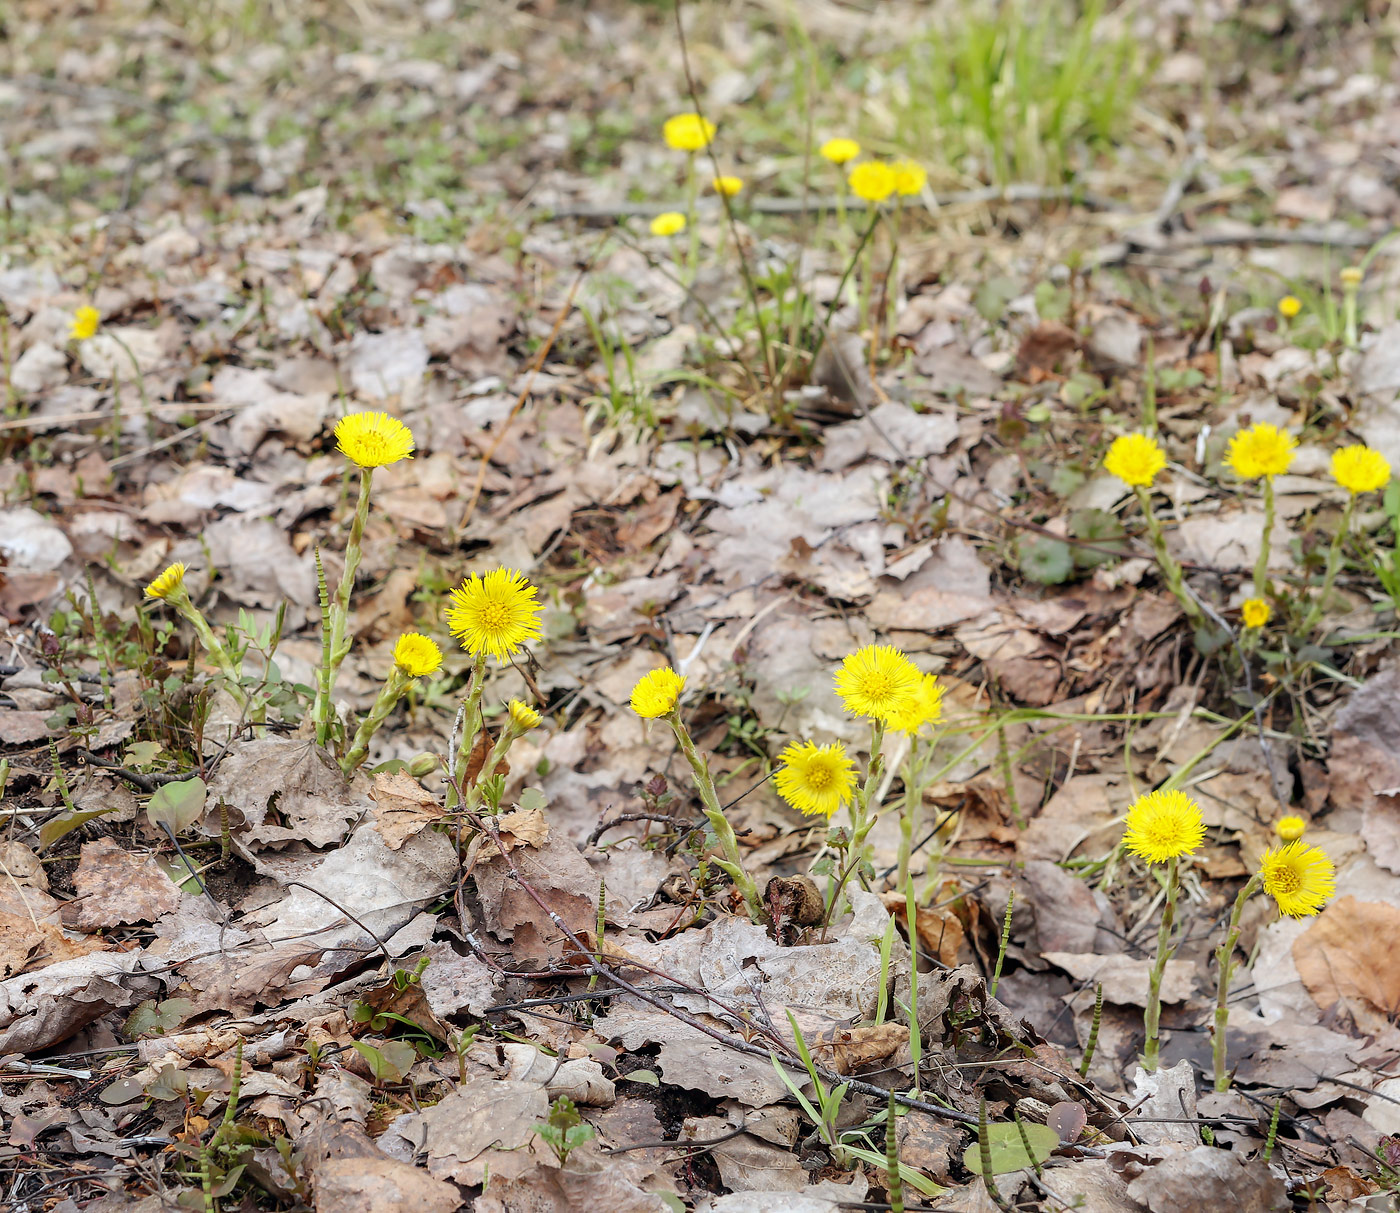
x=692 y=194
x=1171 y=571
x=509 y=734
x=861 y=819
x=1225 y=966
x=1152 y=1016
x=192 y=615
x=1261 y=566
x=1349 y=326
x=339 y=645
x=732 y=863
x=913 y=805
x=471 y=726
x=394 y=688
x=1334 y=564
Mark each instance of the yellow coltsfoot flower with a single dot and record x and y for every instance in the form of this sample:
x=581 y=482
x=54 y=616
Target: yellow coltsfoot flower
x=872 y=181
x=728 y=186
x=668 y=223
x=1162 y=826
x=657 y=693
x=1261 y=450
x=494 y=614
x=1135 y=459
x=1299 y=877
x=687 y=132
x=1360 y=469
x=1289 y=306
x=1255 y=612
x=168 y=583
x=1290 y=828
x=928 y=707
x=417 y=655
x=373 y=440
x=879 y=682
x=85 y=322
x=816 y=779
x=910 y=177
x=839 y=150
x=523 y=717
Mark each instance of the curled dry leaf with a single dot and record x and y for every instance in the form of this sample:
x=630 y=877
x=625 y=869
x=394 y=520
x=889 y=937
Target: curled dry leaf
x=1348 y=955
x=940 y=930
x=402 y=807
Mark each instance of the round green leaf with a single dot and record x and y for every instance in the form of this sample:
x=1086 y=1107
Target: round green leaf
x=177 y=806
x=1007 y=1149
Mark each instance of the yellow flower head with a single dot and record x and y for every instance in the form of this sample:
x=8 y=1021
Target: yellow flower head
x=1135 y=459
x=1162 y=826
x=1299 y=877
x=1255 y=612
x=1261 y=450
x=872 y=181
x=928 y=707
x=416 y=655
x=657 y=693
x=880 y=682
x=1289 y=306
x=1359 y=469
x=839 y=151
x=668 y=223
x=688 y=132
x=1351 y=276
x=494 y=614
x=523 y=718
x=910 y=177
x=1290 y=828
x=728 y=186
x=373 y=440
x=85 y=322
x=169 y=582
x=816 y=779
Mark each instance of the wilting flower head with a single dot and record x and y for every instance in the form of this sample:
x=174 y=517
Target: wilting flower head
x=657 y=693
x=928 y=707
x=85 y=322
x=1135 y=459
x=494 y=614
x=910 y=177
x=1299 y=877
x=1162 y=826
x=728 y=186
x=1289 y=306
x=1359 y=469
x=373 y=440
x=873 y=181
x=880 y=682
x=168 y=583
x=840 y=150
x=668 y=223
x=1290 y=828
x=523 y=717
x=816 y=779
x=1255 y=612
x=417 y=655
x=1261 y=450
x=688 y=132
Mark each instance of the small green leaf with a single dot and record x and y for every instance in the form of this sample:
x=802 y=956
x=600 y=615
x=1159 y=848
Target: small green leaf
x=181 y=872
x=152 y=1019
x=647 y=1076
x=1098 y=527
x=1008 y=1151
x=124 y=1090
x=177 y=805
x=60 y=827
x=169 y=1083
x=1048 y=561
x=390 y=1061
x=531 y=798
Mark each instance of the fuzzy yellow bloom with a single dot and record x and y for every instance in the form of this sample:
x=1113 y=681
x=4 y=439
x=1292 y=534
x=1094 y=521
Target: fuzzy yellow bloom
x=373 y=440
x=417 y=655
x=657 y=693
x=668 y=223
x=839 y=150
x=169 y=582
x=1162 y=826
x=928 y=707
x=880 y=682
x=1261 y=450
x=1255 y=612
x=728 y=186
x=522 y=716
x=1290 y=828
x=1135 y=459
x=494 y=614
x=688 y=132
x=1351 y=276
x=816 y=779
x=1289 y=306
x=1299 y=877
x=910 y=177
x=1359 y=469
x=872 y=181
x=85 y=322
